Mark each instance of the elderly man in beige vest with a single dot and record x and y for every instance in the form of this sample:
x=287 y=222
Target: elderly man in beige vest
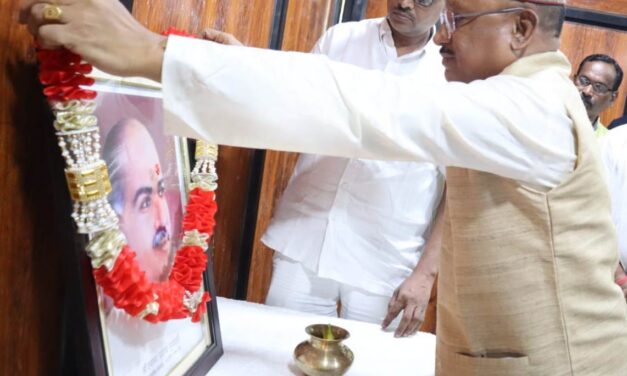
x=526 y=276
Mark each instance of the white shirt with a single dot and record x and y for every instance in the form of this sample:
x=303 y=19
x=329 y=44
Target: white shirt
x=361 y=222
x=614 y=154
x=515 y=127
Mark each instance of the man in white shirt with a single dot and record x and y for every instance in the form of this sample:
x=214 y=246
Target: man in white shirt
x=614 y=154
x=353 y=230
x=526 y=279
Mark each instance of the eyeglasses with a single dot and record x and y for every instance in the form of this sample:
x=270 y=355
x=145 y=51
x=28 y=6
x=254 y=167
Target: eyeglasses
x=450 y=20
x=423 y=3
x=599 y=88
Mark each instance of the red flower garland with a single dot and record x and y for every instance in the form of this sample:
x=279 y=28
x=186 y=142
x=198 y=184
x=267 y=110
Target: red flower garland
x=62 y=71
x=63 y=74
x=131 y=291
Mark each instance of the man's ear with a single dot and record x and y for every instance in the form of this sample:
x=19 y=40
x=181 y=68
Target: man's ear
x=614 y=96
x=525 y=26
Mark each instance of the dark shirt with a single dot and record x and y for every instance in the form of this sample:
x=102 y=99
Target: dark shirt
x=618 y=122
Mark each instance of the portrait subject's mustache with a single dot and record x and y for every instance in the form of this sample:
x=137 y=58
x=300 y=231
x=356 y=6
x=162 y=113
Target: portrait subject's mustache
x=161 y=237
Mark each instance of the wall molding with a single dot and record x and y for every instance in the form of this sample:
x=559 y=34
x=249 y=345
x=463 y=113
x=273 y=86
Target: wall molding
x=354 y=10
x=596 y=18
x=278 y=24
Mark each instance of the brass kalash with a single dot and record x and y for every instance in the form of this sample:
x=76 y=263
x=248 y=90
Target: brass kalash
x=324 y=354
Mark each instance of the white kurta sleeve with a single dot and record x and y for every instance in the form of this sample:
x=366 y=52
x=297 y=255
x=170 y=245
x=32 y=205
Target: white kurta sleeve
x=305 y=103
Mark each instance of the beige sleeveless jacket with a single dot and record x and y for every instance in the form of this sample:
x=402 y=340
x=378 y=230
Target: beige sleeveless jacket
x=526 y=280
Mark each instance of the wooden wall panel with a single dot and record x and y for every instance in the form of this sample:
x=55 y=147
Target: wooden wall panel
x=579 y=41
x=305 y=23
x=31 y=245
x=278 y=167
x=376 y=8
x=250 y=21
x=611 y=6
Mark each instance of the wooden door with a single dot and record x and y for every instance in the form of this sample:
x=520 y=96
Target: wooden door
x=31 y=245
x=376 y=8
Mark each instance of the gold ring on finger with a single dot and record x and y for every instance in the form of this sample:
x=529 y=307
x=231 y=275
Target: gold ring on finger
x=51 y=13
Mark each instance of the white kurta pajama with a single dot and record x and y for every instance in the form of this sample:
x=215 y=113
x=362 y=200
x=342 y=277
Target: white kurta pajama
x=516 y=129
x=360 y=223
x=614 y=153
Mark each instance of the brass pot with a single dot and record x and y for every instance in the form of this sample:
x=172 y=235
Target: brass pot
x=323 y=357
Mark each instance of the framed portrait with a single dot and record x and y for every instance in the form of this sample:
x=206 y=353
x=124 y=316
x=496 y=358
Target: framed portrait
x=150 y=175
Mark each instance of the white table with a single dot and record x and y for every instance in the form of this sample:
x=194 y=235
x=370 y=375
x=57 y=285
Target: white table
x=259 y=340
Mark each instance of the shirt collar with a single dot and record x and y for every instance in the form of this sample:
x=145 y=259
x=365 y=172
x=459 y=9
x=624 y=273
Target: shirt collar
x=597 y=123
x=385 y=31
x=529 y=65
x=385 y=37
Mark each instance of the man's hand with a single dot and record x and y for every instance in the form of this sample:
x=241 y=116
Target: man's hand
x=220 y=37
x=103 y=32
x=621 y=279
x=411 y=297
x=624 y=287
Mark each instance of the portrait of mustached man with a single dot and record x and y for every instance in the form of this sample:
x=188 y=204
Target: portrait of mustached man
x=138 y=196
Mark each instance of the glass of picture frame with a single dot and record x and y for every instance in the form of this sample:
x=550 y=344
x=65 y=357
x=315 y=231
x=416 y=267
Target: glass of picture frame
x=149 y=173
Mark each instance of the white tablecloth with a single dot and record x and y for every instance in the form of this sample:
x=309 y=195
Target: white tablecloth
x=259 y=340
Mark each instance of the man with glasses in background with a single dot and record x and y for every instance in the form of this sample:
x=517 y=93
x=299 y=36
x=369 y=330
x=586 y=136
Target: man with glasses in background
x=598 y=79
x=527 y=267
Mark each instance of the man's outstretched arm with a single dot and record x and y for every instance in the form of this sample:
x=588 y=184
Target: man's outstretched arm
x=248 y=97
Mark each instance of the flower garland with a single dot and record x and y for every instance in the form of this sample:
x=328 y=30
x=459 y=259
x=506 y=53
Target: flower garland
x=115 y=268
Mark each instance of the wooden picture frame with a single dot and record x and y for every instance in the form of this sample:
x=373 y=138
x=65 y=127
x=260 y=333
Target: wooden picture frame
x=103 y=339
